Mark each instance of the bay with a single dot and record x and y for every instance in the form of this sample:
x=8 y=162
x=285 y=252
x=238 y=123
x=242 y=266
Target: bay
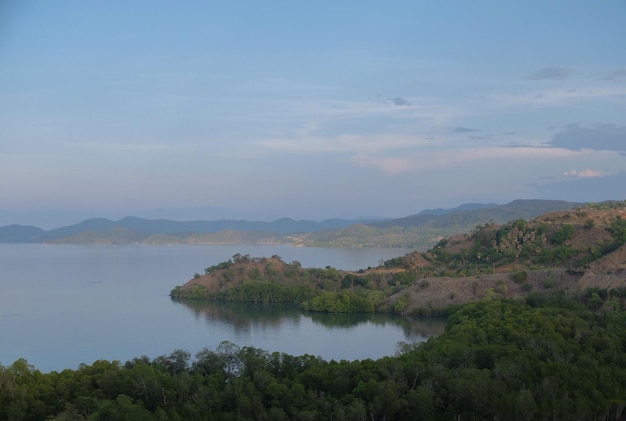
x=61 y=306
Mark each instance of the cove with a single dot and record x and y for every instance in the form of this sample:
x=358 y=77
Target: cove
x=286 y=328
x=61 y=306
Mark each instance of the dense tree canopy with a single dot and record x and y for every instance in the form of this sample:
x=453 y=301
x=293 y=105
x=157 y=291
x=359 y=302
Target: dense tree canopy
x=540 y=358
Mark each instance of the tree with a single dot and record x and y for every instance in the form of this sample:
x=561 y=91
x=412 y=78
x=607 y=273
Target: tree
x=229 y=356
x=176 y=362
x=565 y=233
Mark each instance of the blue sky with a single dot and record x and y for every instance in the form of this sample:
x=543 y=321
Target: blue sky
x=311 y=110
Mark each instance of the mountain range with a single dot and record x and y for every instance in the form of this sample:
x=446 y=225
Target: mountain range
x=148 y=227
x=427 y=225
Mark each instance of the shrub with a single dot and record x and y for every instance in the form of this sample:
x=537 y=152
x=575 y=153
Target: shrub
x=198 y=292
x=474 y=287
x=565 y=233
x=520 y=276
x=548 y=283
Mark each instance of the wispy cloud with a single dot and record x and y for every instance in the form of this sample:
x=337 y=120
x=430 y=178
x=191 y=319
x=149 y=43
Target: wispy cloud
x=555 y=97
x=311 y=144
x=427 y=108
x=486 y=138
x=453 y=159
x=551 y=73
x=120 y=147
x=459 y=129
x=427 y=116
x=583 y=173
x=616 y=74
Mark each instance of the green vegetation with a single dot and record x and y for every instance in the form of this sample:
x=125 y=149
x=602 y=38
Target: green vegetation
x=219 y=266
x=607 y=205
x=570 y=240
x=545 y=357
x=520 y=276
x=270 y=280
x=342 y=302
x=618 y=230
x=266 y=292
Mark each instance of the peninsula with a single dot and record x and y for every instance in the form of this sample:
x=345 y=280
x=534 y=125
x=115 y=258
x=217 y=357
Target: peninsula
x=578 y=252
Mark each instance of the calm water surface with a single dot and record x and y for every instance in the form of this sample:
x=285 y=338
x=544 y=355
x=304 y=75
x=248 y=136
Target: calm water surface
x=61 y=306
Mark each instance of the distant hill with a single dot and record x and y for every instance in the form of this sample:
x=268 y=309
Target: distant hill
x=133 y=229
x=419 y=231
x=467 y=206
x=22 y=234
x=423 y=230
x=472 y=214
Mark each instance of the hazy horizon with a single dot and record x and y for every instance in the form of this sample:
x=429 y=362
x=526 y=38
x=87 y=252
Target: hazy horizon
x=60 y=219
x=191 y=215
x=257 y=111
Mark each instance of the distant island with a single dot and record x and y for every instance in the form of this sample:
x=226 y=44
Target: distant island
x=579 y=252
x=419 y=231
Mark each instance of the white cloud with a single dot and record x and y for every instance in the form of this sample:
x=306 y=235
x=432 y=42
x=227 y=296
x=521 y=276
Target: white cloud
x=423 y=108
x=426 y=117
x=557 y=97
x=310 y=144
x=497 y=157
x=583 y=173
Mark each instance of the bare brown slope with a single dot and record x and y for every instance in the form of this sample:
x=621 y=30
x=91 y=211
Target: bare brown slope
x=240 y=271
x=434 y=295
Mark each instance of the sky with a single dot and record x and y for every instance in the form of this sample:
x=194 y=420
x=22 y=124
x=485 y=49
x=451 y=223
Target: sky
x=309 y=110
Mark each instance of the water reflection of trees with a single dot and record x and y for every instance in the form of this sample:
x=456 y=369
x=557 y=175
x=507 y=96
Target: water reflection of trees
x=243 y=316
x=411 y=326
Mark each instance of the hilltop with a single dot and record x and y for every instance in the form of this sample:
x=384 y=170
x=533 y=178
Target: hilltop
x=578 y=252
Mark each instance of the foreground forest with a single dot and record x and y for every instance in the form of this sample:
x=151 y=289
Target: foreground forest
x=543 y=357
